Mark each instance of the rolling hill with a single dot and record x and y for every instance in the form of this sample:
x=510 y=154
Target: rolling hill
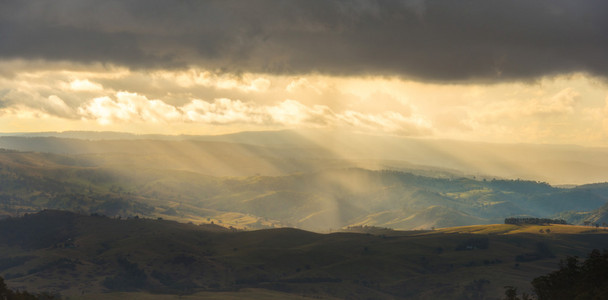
x=331 y=198
x=113 y=216
x=85 y=257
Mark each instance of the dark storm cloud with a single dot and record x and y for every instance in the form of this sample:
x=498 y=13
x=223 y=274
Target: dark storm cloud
x=431 y=40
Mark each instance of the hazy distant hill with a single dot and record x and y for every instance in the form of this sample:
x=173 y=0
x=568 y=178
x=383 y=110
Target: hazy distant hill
x=314 y=200
x=83 y=256
x=213 y=158
x=556 y=164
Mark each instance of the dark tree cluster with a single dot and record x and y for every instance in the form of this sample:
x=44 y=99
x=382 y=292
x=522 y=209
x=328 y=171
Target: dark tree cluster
x=534 y=221
x=576 y=280
x=522 y=186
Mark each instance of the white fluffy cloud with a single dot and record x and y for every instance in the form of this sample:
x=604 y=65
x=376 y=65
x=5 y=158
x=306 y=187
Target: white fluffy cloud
x=131 y=107
x=127 y=107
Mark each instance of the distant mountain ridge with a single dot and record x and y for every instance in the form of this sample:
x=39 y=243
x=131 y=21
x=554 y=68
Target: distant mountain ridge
x=556 y=164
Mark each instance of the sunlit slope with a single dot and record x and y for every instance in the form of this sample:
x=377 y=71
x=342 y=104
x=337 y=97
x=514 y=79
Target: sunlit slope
x=323 y=200
x=432 y=217
x=74 y=254
x=528 y=228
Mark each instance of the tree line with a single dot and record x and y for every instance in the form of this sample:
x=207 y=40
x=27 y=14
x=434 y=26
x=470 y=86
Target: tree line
x=535 y=221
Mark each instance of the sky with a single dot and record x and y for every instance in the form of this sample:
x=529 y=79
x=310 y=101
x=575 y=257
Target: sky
x=518 y=71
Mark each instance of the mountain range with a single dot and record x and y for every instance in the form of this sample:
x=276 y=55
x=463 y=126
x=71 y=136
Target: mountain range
x=274 y=183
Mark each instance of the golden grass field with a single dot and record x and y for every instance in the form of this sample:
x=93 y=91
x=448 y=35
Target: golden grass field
x=515 y=229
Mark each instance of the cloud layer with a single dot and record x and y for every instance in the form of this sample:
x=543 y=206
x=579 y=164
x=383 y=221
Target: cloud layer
x=123 y=98
x=566 y=109
x=130 y=107
x=492 y=70
x=441 y=40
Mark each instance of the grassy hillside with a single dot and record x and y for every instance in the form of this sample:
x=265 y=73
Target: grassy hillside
x=86 y=256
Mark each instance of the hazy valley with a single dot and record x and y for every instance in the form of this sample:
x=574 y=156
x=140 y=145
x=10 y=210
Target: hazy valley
x=132 y=197
x=252 y=187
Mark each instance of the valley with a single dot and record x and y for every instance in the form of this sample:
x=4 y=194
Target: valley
x=317 y=200
x=165 y=217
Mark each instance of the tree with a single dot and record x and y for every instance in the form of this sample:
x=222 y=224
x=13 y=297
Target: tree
x=4 y=291
x=575 y=280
